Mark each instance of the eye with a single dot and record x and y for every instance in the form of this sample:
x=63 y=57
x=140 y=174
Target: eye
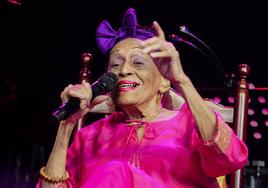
x=115 y=62
x=138 y=63
x=114 y=65
x=138 y=60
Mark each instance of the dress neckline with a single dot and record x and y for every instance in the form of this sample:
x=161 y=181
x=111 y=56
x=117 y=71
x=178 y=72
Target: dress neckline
x=173 y=115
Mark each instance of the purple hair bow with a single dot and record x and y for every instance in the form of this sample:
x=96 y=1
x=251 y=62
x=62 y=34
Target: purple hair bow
x=107 y=37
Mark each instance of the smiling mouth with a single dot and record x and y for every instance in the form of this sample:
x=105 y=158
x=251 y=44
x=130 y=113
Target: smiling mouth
x=127 y=86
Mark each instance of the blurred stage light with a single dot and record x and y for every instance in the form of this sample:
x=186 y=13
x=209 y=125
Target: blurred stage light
x=253 y=123
x=261 y=99
x=251 y=86
x=231 y=99
x=217 y=99
x=14 y=2
x=257 y=135
x=264 y=111
x=251 y=111
x=266 y=123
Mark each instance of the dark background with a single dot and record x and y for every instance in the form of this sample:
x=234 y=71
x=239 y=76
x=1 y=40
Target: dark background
x=41 y=46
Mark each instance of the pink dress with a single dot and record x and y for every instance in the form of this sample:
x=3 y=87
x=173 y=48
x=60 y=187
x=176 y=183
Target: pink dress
x=171 y=154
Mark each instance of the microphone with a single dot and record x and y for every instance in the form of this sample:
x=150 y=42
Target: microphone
x=104 y=84
x=228 y=79
x=185 y=30
x=175 y=38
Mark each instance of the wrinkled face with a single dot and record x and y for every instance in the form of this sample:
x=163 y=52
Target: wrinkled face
x=139 y=78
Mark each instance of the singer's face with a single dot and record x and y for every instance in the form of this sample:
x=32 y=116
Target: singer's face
x=139 y=78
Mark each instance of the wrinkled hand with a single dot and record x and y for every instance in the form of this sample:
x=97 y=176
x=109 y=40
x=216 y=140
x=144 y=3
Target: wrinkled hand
x=84 y=93
x=166 y=56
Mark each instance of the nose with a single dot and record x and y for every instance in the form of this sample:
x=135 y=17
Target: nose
x=125 y=70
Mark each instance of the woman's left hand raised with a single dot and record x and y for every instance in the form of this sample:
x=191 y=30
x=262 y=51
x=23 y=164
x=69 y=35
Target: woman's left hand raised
x=166 y=56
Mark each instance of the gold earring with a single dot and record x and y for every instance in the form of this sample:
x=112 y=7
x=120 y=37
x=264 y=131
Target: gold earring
x=109 y=101
x=159 y=96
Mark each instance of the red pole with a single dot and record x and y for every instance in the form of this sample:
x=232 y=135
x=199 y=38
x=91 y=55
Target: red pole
x=240 y=117
x=85 y=75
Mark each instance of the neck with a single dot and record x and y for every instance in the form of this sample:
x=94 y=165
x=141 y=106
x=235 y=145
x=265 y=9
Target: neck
x=146 y=112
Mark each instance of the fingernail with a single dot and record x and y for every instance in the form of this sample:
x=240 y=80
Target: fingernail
x=145 y=50
x=152 y=55
x=87 y=84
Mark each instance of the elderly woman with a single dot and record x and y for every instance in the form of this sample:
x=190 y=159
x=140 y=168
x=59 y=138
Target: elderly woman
x=143 y=144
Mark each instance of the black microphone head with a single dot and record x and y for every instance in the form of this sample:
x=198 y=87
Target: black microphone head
x=109 y=81
x=104 y=84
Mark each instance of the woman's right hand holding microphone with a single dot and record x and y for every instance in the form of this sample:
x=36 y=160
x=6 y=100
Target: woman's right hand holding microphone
x=84 y=93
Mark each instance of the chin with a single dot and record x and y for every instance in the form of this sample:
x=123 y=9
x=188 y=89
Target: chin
x=125 y=104
x=126 y=101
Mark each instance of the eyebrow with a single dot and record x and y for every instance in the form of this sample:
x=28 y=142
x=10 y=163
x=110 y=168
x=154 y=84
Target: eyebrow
x=116 y=50
x=139 y=47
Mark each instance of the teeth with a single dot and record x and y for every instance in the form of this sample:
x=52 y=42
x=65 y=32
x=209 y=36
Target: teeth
x=128 y=85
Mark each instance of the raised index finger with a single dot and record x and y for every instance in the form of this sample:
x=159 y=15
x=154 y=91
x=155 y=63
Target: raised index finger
x=160 y=33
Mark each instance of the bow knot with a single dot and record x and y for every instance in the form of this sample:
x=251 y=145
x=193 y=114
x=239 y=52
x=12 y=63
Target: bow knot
x=107 y=37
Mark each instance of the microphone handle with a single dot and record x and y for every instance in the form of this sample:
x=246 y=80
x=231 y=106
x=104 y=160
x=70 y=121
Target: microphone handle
x=105 y=83
x=67 y=109
x=73 y=104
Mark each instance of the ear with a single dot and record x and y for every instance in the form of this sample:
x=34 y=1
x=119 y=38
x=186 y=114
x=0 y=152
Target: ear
x=164 y=85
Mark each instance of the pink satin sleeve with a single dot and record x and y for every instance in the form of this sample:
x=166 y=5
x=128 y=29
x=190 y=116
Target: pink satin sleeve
x=224 y=153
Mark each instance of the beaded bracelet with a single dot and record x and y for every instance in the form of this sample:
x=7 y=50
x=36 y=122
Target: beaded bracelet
x=49 y=179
